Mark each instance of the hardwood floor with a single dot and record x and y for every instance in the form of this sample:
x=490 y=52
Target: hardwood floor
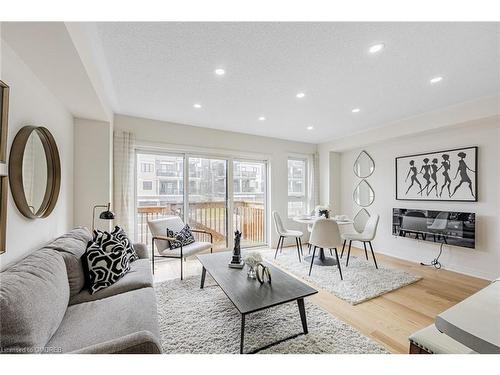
x=388 y=319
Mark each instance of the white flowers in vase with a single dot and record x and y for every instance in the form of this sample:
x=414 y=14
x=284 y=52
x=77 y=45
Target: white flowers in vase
x=252 y=260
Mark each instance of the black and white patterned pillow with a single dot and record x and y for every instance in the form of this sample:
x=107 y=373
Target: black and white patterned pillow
x=184 y=237
x=104 y=268
x=115 y=241
x=119 y=234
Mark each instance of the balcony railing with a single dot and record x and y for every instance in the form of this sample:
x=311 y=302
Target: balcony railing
x=248 y=217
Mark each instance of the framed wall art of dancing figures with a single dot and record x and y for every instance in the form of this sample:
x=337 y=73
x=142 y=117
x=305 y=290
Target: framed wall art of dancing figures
x=449 y=175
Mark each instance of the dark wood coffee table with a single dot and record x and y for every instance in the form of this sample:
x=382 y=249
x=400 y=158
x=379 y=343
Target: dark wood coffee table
x=249 y=296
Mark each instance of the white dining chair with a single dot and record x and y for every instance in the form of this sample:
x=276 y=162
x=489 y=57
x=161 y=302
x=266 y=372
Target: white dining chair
x=315 y=213
x=366 y=236
x=325 y=235
x=285 y=233
x=346 y=226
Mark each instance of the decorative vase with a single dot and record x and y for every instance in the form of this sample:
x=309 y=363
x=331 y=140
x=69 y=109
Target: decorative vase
x=251 y=273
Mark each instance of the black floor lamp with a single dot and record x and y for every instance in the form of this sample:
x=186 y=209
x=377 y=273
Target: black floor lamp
x=104 y=215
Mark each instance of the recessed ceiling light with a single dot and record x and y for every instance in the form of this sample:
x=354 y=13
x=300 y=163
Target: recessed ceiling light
x=197 y=105
x=220 y=71
x=376 y=48
x=262 y=118
x=355 y=110
x=310 y=127
x=300 y=95
x=436 y=80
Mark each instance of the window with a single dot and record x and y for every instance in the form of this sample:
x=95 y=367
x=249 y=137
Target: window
x=297 y=189
x=146 y=168
x=147 y=185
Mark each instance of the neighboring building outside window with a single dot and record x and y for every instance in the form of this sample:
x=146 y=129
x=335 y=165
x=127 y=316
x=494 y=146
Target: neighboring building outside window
x=147 y=167
x=147 y=185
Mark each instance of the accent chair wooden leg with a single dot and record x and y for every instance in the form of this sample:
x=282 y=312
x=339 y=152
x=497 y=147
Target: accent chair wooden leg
x=181 y=270
x=343 y=247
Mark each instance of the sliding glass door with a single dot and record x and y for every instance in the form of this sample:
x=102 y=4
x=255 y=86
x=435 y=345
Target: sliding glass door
x=249 y=202
x=159 y=190
x=217 y=195
x=207 y=197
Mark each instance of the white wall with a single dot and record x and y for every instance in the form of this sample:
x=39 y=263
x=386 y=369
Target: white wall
x=93 y=159
x=484 y=261
x=32 y=104
x=151 y=132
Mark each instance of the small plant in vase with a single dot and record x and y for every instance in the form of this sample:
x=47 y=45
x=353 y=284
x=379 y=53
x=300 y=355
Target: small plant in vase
x=252 y=260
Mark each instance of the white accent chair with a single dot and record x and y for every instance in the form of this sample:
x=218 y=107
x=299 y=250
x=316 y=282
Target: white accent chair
x=158 y=229
x=325 y=235
x=284 y=233
x=366 y=236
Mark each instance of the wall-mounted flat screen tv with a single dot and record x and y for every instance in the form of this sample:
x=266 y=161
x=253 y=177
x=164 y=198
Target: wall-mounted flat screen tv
x=448 y=227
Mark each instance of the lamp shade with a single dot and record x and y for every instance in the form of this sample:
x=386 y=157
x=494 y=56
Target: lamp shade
x=107 y=215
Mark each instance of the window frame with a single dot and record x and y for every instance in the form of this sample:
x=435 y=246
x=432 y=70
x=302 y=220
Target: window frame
x=305 y=198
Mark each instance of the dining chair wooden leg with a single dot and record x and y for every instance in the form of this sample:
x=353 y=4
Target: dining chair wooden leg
x=343 y=247
x=277 y=247
x=338 y=264
x=331 y=254
x=282 y=240
x=348 y=254
x=373 y=254
x=366 y=252
x=312 y=261
x=309 y=248
x=298 y=248
x=301 y=250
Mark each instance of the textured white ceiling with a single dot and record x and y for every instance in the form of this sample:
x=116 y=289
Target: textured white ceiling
x=159 y=70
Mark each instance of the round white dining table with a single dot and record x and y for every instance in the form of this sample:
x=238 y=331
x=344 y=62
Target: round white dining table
x=322 y=259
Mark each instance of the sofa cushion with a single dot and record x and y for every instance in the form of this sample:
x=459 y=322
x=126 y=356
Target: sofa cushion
x=188 y=250
x=94 y=322
x=34 y=295
x=72 y=246
x=138 y=277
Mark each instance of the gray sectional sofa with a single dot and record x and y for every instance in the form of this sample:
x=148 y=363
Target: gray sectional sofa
x=45 y=307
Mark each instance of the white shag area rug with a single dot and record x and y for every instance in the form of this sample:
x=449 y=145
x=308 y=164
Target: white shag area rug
x=204 y=321
x=362 y=281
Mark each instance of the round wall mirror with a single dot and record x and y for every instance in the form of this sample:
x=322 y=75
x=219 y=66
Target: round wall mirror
x=363 y=165
x=35 y=171
x=363 y=194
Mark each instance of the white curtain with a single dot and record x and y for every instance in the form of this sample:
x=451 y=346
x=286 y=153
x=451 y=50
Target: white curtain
x=313 y=179
x=123 y=191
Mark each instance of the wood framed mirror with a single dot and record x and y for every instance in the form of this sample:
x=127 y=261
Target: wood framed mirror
x=34 y=172
x=4 y=117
